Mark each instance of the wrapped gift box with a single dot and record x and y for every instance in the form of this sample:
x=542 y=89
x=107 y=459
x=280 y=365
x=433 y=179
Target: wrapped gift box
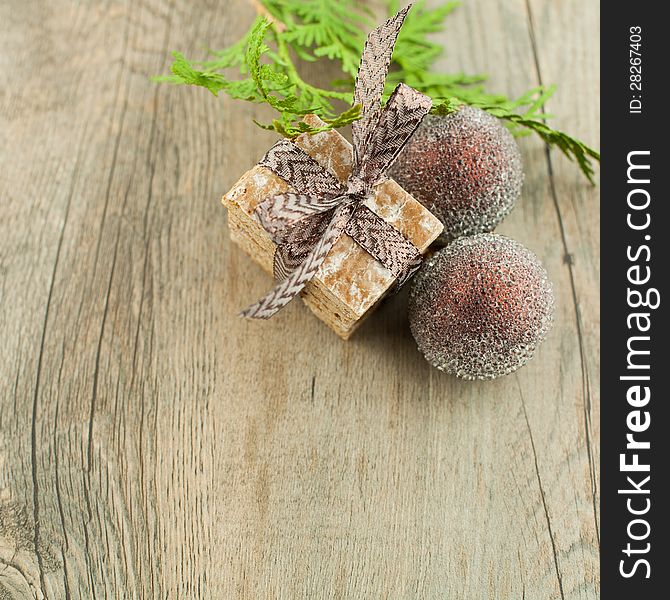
x=350 y=282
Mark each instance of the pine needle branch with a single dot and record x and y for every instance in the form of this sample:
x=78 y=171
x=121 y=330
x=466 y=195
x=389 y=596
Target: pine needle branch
x=288 y=32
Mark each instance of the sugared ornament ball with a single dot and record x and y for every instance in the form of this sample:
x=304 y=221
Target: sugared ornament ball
x=479 y=307
x=465 y=168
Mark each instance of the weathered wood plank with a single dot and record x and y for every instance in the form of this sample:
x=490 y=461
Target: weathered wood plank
x=155 y=446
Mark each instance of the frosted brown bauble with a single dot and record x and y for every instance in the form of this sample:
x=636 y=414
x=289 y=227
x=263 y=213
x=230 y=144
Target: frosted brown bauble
x=465 y=168
x=479 y=307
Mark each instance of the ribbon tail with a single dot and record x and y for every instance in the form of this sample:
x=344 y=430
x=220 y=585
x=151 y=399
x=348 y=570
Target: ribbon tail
x=286 y=259
x=289 y=255
x=288 y=289
x=371 y=79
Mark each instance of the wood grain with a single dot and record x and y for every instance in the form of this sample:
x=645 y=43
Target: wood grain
x=155 y=446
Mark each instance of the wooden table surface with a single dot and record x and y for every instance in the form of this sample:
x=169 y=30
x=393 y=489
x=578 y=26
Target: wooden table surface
x=153 y=445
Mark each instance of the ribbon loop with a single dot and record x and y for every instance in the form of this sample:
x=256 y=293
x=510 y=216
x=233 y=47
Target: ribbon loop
x=398 y=120
x=305 y=175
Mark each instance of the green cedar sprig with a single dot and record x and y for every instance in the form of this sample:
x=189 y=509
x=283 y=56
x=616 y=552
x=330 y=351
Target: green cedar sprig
x=266 y=59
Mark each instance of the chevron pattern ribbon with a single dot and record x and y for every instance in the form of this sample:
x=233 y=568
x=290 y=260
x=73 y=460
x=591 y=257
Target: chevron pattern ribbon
x=307 y=222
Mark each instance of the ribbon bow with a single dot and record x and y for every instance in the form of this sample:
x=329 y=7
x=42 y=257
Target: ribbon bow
x=306 y=224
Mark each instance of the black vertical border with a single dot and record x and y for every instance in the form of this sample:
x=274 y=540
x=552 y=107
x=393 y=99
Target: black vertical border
x=623 y=132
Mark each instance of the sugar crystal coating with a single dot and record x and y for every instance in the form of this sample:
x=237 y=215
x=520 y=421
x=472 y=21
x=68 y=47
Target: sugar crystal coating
x=465 y=168
x=479 y=307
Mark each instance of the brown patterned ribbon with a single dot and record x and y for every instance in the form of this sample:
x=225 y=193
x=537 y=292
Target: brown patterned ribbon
x=307 y=222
